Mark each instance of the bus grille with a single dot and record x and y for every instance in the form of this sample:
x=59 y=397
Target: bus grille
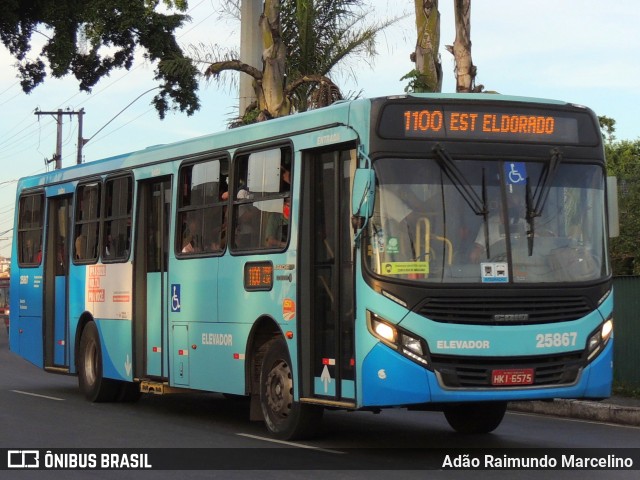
x=468 y=372
x=503 y=310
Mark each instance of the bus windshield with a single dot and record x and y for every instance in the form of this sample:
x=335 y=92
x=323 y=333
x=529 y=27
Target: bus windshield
x=488 y=221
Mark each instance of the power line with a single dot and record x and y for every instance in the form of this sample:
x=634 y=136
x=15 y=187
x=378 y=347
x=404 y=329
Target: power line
x=10 y=87
x=24 y=133
x=117 y=114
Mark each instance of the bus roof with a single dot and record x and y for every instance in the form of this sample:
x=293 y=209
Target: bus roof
x=336 y=114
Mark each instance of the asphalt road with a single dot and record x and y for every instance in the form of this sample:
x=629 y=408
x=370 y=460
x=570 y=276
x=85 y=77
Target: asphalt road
x=43 y=411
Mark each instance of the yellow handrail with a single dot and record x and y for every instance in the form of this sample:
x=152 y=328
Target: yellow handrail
x=426 y=224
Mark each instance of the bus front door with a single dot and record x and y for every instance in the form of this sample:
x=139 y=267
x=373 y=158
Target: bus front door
x=56 y=273
x=150 y=270
x=327 y=320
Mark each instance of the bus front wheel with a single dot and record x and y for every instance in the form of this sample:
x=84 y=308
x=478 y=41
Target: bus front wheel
x=93 y=385
x=475 y=417
x=285 y=418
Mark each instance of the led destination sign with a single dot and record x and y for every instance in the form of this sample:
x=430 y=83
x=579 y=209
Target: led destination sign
x=491 y=122
x=423 y=120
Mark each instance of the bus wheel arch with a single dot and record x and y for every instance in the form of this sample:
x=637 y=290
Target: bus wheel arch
x=285 y=418
x=84 y=319
x=263 y=330
x=270 y=383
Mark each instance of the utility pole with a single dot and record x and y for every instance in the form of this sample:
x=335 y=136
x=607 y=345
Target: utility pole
x=81 y=140
x=250 y=49
x=58 y=115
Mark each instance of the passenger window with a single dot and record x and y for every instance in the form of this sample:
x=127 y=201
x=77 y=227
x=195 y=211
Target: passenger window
x=202 y=208
x=30 y=221
x=117 y=222
x=262 y=201
x=87 y=223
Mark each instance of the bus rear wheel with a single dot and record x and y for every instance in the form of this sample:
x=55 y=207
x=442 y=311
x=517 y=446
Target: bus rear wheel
x=93 y=385
x=475 y=417
x=285 y=418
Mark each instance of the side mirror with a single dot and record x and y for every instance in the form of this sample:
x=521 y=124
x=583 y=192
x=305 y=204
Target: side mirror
x=612 y=207
x=362 y=197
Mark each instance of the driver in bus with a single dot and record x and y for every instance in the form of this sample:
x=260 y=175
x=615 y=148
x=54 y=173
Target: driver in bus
x=496 y=228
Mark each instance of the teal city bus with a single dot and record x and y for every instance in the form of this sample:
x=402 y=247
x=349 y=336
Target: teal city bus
x=428 y=251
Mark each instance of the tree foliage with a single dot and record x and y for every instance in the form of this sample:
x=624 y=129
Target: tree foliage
x=623 y=162
x=304 y=41
x=320 y=35
x=90 y=38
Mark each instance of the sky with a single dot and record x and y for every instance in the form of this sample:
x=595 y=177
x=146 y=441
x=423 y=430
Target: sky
x=580 y=51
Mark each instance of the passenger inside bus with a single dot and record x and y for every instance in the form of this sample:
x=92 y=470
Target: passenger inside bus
x=278 y=223
x=191 y=241
x=81 y=246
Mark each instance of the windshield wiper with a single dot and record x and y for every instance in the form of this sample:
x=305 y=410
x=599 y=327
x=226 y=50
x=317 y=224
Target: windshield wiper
x=537 y=201
x=478 y=205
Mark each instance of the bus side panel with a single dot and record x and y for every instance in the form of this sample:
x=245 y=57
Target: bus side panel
x=109 y=298
x=115 y=339
x=26 y=332
x=60 y=324
x=193 y=306
x=240 y=309
x=77 y=296
x=218 y=361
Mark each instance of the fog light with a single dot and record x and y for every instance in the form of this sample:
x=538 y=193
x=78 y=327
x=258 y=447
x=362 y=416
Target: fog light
x=413 y=344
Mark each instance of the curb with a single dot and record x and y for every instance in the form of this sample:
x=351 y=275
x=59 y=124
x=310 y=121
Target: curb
x=583 y=410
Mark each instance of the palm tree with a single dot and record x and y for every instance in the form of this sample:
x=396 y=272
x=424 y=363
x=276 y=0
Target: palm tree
x=305 y=41
x=320 y=35
x=427 y=76
x=465 y=70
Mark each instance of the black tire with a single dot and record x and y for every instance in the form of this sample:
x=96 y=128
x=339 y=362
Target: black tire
x=93 y=385
x=285 y=418
x=235 y=397
x=475 y=417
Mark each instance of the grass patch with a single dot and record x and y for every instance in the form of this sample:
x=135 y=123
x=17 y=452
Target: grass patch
x=626 y=390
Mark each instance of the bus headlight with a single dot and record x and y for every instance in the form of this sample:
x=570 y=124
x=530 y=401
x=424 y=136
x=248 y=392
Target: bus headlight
x=384 y=331
x=404 y=342
x=599 y=338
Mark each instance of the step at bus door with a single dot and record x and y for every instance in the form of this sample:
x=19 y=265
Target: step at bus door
x=327 y=320
x=152 y=295
x=56 y=276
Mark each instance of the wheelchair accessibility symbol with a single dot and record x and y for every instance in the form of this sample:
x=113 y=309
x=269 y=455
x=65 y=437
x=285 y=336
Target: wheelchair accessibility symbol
x=515 y=172
x=175 y=297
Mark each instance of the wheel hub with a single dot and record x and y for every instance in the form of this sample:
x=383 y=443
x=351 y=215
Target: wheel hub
x=279 y=389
